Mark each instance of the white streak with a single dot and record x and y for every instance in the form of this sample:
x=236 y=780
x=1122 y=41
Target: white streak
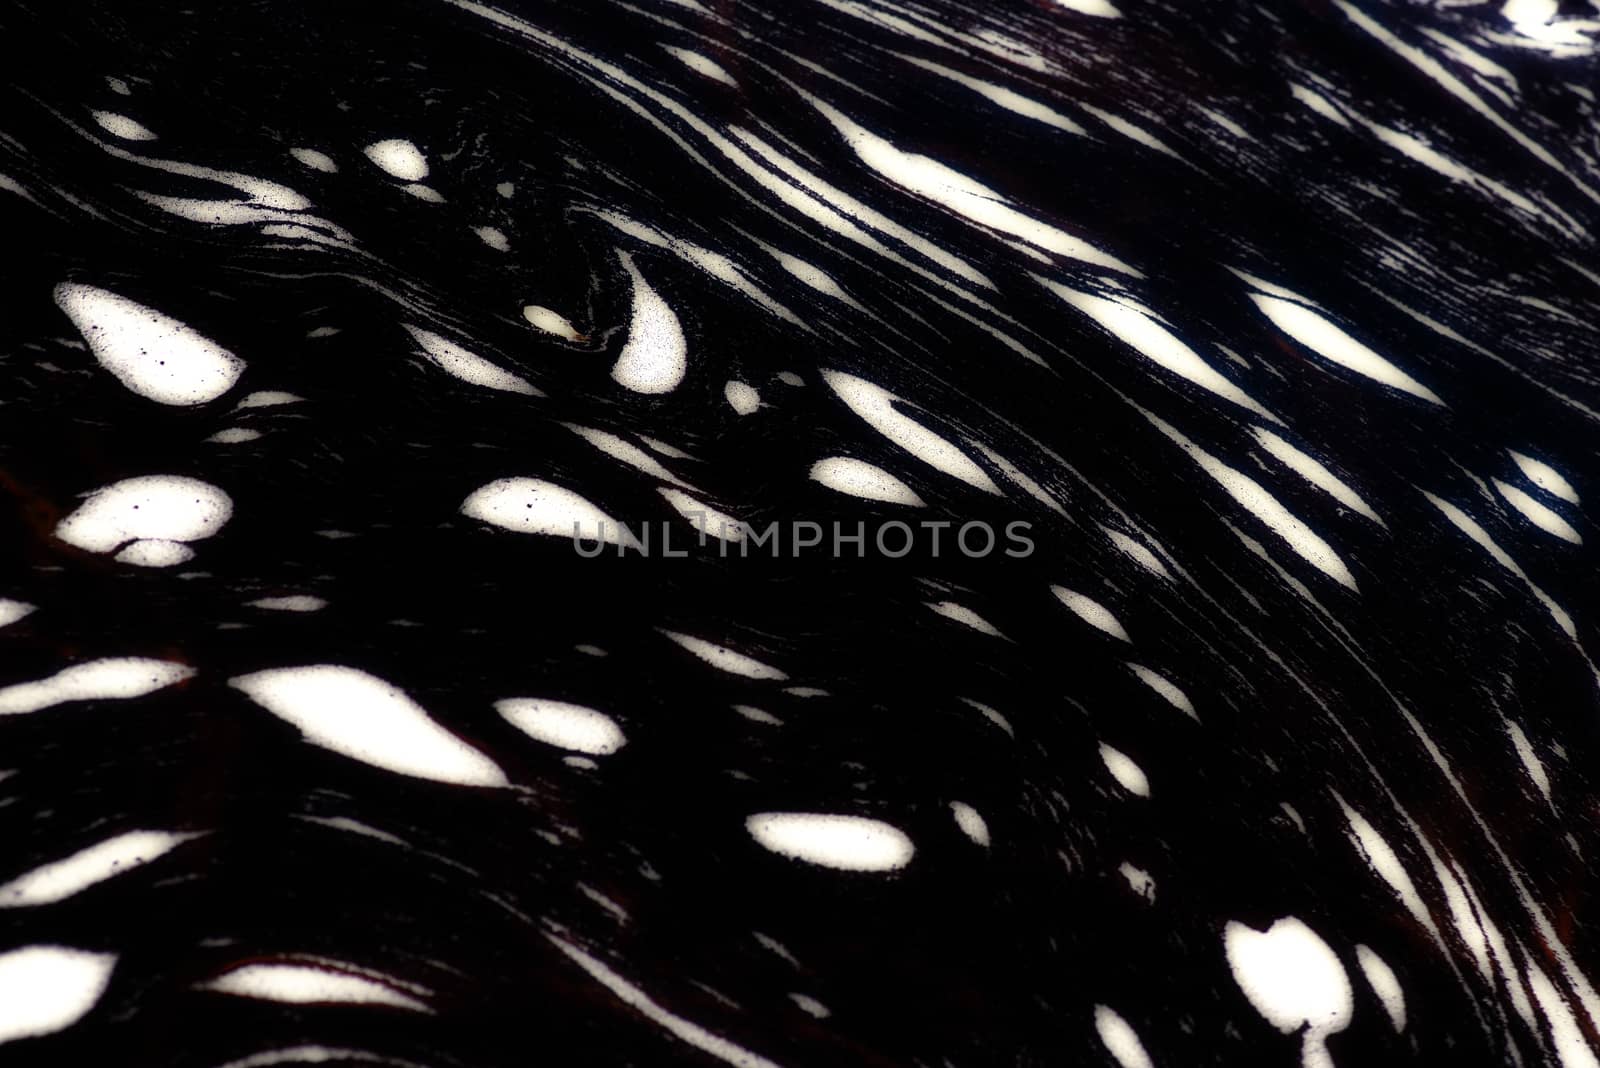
x=1545 y=477
x=1540 y=516
x=725 y=659
x=1091 y=612
x=122 y=126
x=971 y=822
x=317 y=161
x=302 y=984
x=467 y=366
x=1129 y=775
x=533 y=506
x=1330 y=342
x=876 y=405
x=1174 y=696
x=962 y=614
x=297 y=602
x=861 y=479
x=701 y=65
x=1313 y=472
x=155 y=552
x=11 y=611
x=1384 y=984
x=115 y=677
x=63 y=878
x=1119 y=1038
x=848 y=843
x=367 y=719
x=551 y=322
x=560 y=723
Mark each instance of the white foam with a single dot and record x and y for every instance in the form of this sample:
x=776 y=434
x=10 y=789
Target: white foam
x=1318 y=103
x=811 y=275
x=400 y=158
x=1386 y=863
x=1137 y=552
x=1469 y=526
x=468 y=366
x=297 y=602
x=234 y=435
x=121 y=126
x=1313 y=472
x=970 y=821
x=1545 y=477
x=1330 y=342
x=11 y=611
x=267 y=398
x=165 y=507
x=861 y=479
x=1091 y=612
x=367 y=719
x=550 y=322
x=155 y=552
x=848 y=843
x=1385 y=984
x=317 y=161
x=1129 y=776
x=962 y=614
x=1264 y=506
x=656 y=355
x=506 y=189
x=63 y=878
x=1566 y=1033
x=756 y=715
x=743 y=398
x=46 y=989
x=683 y=1029
x=113 y=677
x=1294 y=980
x=119 y=86
x=1540 y=516
x=1140 y=331
x=560 y=723
x=725 y=659
x=1530 y=759
x=1119 y=1038
x=1132 y=131
x=533 y=506
x=1140 y=881
x=701 y=65
x=876 y=405
x=424 y=192
x=152 y=354
x=304 y=984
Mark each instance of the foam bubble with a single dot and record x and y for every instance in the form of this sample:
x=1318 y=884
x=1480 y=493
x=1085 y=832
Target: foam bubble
x=152 y=354
x=49 y=988
x=559 y=723
x=399 y=158
x=109 y=678
x=163 y=507
x=848 y=843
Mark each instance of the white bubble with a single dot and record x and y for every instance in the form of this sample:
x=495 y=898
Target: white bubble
x=848 y=843
x=152 y=354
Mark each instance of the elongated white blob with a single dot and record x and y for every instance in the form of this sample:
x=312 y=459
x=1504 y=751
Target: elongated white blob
x=1566 y=1033
x=1385 y=984
x=701 y=65
x=166 y=507
x=1469 y=526
x=927 y=177
x=115 y=677
x=121 y=126
x=560 y=723
x=708 y=521
x=533 y=506
x=972 y=824
x=1138 y=553
x=294 y=602
x=155 y=552
x=1545 y=477
x=11 y=611
x=63 y=878
x=1120 y=1038
x=1387 y=865
x=1291 y=977
x=1140 y=331
x=656 y=355
x=962 y=614
x=876 y=405
x=551 y=322
x=1312 y=471
x=493 y=237
x=624 y=450
x=234 y=435
x=317 y=161
x=304 y=984
x=424 y=192
x=1330 y=342
x=367 y=719
x=999 y=95
x=725 y=659
x=1163 y=686
x=1129 y=776
x=742 y=397
x=1091 y=612
x=1265 y=507
x=399 y=158
x=848 y=843
x=152 y=354
x=1530 y=759
x=1539 y=515
x=467 y=366
x=49 y=988
x=650 y=1009
x=861 y=479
